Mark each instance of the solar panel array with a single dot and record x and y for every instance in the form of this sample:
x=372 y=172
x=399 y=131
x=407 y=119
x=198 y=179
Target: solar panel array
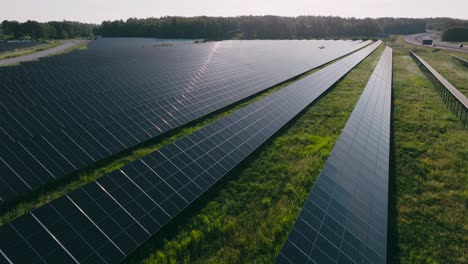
x=107 y=219
x=12 y=45
x=63 y=113
x=344 y=220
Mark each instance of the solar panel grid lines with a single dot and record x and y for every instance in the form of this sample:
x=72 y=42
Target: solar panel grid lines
x=344 y=220
x=44 y=140
x=110 y=215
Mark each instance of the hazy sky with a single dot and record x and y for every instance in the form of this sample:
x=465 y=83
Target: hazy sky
x=96 y=11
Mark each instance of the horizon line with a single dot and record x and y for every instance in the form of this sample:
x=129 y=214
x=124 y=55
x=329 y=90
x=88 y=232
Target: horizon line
x=235 y=16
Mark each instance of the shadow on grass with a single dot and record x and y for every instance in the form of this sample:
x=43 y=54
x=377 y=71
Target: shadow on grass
x=393 y=251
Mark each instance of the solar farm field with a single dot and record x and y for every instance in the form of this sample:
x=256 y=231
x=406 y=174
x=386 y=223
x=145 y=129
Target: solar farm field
x=68 y=125
x=239 y=151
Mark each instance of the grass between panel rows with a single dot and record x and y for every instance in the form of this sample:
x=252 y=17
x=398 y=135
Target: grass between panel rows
x=80 y=46
x=73 y=181
x=429 y=188
x=441 y=61
x=453 y=71
x=246 y=217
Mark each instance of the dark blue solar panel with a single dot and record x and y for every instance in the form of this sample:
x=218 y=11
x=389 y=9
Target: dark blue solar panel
x=344 y=220
x=110 y=217
x=63 y=113
x=12 y=45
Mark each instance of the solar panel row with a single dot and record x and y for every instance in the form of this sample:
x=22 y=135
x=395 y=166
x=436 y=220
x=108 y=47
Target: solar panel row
x=460 y=60
x=107 y=219
x=66 y=112
x=456 y=101
x=344 y=220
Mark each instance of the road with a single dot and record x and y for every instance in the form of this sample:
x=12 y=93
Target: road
x=417 y=39
x=44 y=53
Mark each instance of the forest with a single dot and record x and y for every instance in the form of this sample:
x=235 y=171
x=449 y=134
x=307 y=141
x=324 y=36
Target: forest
x=47 y=30
x=257 y=27
x=269 y=27
x=455 y=34
x=241 y=27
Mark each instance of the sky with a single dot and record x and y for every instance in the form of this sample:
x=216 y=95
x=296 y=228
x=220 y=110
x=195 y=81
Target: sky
x=96 y=11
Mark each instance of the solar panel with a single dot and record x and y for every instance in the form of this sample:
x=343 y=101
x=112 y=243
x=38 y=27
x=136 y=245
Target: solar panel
x=344 y=220
x=63 y=113
x=108 y=218
x=12 y=45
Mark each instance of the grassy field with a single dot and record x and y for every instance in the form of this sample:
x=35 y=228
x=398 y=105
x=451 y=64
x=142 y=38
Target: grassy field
x=26 y=51
x=81 y=46
x=442 y=61
x=72 y=182
x=429 y=187
x=246 y=217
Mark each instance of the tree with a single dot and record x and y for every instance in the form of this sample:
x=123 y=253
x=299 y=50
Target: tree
x=33 y=29
x=258 y=27
x=54 y=29
x=12 y=28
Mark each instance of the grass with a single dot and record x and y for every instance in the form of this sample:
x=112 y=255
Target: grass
x=453 y=71
x=56 y=189
x=441 y=61
x=80 y=46
x=50 y=44
x=429 y=186
x=26 y=51
x=246 y=217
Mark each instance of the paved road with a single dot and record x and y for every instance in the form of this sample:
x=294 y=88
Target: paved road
x=44 y=53
x=417 y=39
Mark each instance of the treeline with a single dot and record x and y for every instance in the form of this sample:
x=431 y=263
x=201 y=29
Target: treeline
x=258 y=27
x=443 y=23
x=242 y=27
x=49 y=30
x=455 y=34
